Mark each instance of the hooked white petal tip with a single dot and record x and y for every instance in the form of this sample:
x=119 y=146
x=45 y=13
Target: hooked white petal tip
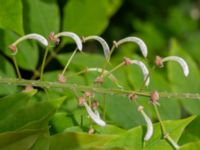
x=149 y=132
x=72 y=35
x=136 y=40
x=33 y=36
x=104 y=44
x=144 y=69
x=94 y=115
x=179 y=60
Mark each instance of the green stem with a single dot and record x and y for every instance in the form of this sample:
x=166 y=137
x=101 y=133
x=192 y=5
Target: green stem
x=114 y=69
x=112 y=50
x=69 y=60
x=48 y=60
x=16 y=67
x=43 y=62
x=38 y=83
x=165 y=134
x=160 y=120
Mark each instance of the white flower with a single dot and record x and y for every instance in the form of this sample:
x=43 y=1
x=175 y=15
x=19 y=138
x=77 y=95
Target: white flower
x=136 y=40
x=74 y=36
x=104 y=44
x=33 y=36
x=144 y=69
x=149 y=132
x=179 y=60
x=94 y=115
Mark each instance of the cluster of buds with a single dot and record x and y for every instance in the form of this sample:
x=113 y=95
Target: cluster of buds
x=92 y=112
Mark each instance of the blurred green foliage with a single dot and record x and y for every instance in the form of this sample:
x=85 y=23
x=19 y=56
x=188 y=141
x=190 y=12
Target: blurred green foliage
x=43 y=121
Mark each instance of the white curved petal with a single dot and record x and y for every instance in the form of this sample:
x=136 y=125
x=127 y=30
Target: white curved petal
x=144 y=69
x=72 y=35
x=33 y=36
x=136 y=40
x=149 y=132
x=94 y=115
x=179 y=60
x=104 y=44
x=110 y=76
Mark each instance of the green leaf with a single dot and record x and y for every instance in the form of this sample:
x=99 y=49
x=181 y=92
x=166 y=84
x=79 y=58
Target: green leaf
x=29 y=116
x=82 y=60
x=175 y=130
x=78 y=140
x=7 y=70
x=180 y=22
x=42 y=143
x=83 y=18
x=113 y=6
x=41 y=16
x=130 y=139
x=122 y=112
x=179 y=82
x=11 y=15
x=109 y=129
x=191 y=133
x=191 y=146
x=19 y=139
x=60 y=121
x=23 y=57
x=12 y=103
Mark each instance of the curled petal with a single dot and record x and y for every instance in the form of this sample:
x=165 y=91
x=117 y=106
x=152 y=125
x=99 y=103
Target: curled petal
x=144 y=69
x=72 y=35
x=149 y=132
x=110 y=76
x=94 y=115
x=33 y=36
x=136 y=40
x=104 y=44
x=179 y=60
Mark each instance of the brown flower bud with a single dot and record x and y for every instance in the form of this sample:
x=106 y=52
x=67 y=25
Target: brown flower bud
x=53 y=38
x=81 y=100
x=13 y=48
x=154 y=97
x=88 y=94
x=158 y=61
x=127 y=61
x=99 y=80
x=132 y=96
x=61 y=78
x=95 y=105
x=28 y=88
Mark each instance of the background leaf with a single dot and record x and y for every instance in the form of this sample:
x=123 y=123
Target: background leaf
x=11 y=17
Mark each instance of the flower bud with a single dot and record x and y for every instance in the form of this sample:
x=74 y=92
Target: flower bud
x=154 y=97
x=81 y=101
x=61 y=78
x=158 y=61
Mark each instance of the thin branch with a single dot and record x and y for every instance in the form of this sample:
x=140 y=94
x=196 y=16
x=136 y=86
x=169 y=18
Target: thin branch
x=46 y=84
